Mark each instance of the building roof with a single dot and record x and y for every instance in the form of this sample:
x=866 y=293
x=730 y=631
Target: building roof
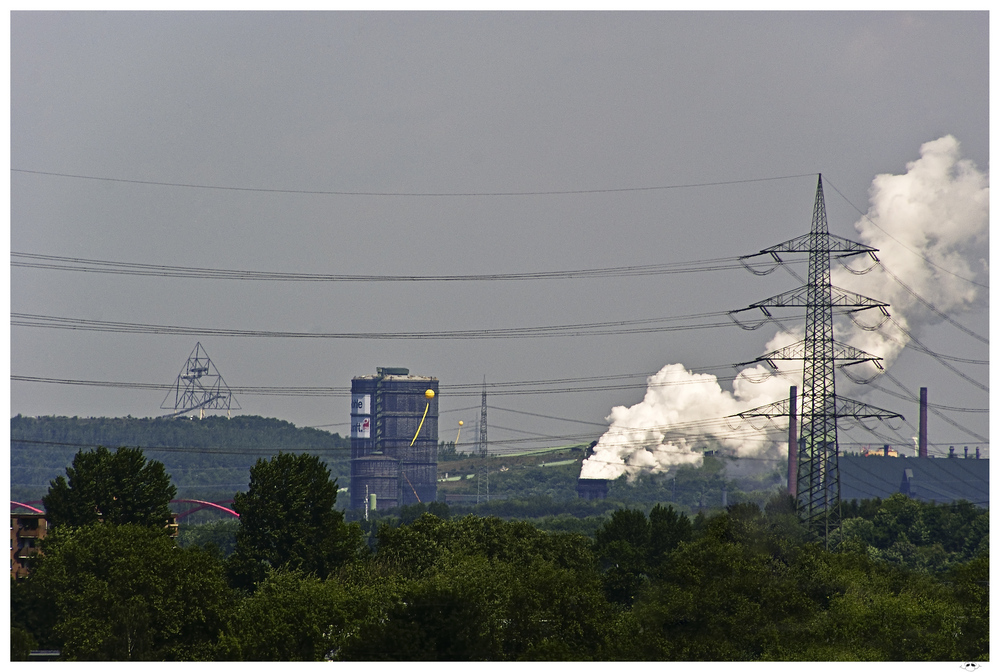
x=943 y=480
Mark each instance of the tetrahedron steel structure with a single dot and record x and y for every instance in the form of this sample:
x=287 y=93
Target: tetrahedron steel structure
x=199 y=387
x=818 y=477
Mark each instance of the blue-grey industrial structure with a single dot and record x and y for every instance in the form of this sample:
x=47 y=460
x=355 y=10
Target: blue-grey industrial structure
x=387 y=461
x=927 y=479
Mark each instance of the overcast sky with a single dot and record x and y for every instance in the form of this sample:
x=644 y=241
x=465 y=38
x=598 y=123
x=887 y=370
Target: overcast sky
x=457 y=103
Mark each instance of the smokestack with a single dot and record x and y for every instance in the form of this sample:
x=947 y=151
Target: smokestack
x=922 y=441
x=724 y=497
x=951 y=451
x=793 y=442
x=966 y=452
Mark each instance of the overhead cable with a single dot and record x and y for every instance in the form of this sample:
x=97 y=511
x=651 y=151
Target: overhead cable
x=550 y=192
x=901 y=244
x=57 y=263
x=932 y=308
x=611 y=328
x=941 y=361
x=938 y=413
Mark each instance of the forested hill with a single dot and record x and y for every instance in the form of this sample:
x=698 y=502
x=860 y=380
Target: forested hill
x=207 y=458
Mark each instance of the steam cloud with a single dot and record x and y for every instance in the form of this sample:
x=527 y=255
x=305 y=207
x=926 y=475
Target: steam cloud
x=937 y=211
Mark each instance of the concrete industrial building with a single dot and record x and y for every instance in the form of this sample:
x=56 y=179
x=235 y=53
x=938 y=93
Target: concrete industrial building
x=941 y=480
x=394 y=439
x=26 y=530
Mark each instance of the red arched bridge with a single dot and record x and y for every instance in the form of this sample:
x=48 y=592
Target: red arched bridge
x=199 y=506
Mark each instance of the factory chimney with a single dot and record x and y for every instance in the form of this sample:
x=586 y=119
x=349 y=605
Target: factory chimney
x=922 y=440
x=793 y=442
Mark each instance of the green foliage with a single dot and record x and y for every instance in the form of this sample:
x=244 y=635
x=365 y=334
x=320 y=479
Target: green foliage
x=692 y=489
x=726 y=595
x=621 y=546
x=125 y=592
x=742 y=584
x=924 y=536
x=667 y=529
x=558 y=482
x=483 y=589
x=742 y=590
x=217 y=456
x=288 y=520
x=447 y=453
x=908 y=581
x=971 y=585
x=219 y=535
x=118 y=488
x=21 y=644
x=630 y=548
x=291 y=616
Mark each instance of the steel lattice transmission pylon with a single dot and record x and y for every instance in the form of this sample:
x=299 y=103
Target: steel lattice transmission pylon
x=200 y=387
x=483 y=472
x=818 y=477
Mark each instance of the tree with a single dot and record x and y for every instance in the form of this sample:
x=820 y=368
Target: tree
x=971 y=583
x=482 y=588
x=667 y=529
x=125 y=592
x=291 y=616
x=622 y=547
x=288 y=520
x=119 y=488
x=218 y=534
x=21 y=644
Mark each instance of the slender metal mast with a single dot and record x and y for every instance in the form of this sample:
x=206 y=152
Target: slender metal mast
x=483 y=475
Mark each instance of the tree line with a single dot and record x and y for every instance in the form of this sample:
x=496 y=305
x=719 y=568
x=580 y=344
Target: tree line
x=300 y=583
x=209 y=458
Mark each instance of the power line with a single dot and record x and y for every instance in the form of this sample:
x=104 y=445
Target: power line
x=58 y=263
x=936 y=412
x=317 y=192
x=612 y=328
x=457 y=390
x=914 y=344
x=454 y=391
x=253 y=451
x=925 y=349
x=932 y=308
x=908 y=397
x=905 y=247
x=550 y=417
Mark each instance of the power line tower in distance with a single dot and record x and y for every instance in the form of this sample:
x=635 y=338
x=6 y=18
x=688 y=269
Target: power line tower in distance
x=483 y=472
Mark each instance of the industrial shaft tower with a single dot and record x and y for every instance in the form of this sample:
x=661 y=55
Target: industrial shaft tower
x=818 y=475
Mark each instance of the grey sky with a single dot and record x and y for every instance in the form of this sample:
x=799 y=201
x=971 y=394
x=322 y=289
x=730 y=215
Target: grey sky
x=455 y=102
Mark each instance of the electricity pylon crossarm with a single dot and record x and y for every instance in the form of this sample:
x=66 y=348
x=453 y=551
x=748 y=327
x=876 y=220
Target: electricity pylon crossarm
x=847 y=354
x=801 y=297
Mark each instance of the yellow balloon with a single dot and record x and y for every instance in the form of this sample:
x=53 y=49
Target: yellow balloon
x=429 y=394
x=460 y=423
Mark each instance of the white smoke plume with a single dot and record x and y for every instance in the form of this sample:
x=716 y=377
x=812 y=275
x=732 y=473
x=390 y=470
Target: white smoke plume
x=931 y=227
